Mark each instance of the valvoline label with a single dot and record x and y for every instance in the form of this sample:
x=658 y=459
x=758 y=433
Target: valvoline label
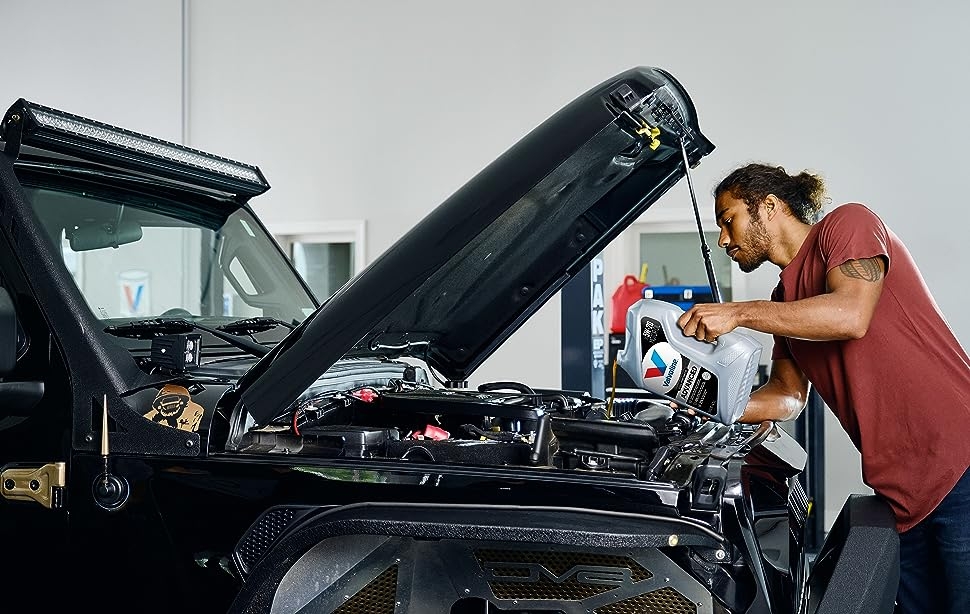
x=668 y=372
x=662 y=366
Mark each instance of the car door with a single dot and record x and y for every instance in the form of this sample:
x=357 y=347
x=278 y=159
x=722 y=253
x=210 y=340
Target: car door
x=34 y=449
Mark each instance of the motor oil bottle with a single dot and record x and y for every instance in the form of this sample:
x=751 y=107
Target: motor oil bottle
x=714 y=379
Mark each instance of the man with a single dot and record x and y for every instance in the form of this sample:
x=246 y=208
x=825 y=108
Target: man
x=852 y=316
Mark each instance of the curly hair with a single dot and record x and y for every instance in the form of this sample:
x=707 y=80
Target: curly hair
x=804 y=193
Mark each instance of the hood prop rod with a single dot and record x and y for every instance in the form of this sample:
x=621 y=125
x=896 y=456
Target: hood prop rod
x=705 y=250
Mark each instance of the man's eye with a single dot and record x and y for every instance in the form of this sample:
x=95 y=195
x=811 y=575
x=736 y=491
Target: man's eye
x=727 y=221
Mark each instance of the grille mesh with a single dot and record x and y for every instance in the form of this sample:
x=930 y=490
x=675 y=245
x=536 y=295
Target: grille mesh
x=797 y=501
x=663 y=601
x=558 y=563
x=376 y=598
x=268 y=528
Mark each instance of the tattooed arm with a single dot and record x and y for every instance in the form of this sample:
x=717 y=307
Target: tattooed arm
x=843 y=312
x=869 y=269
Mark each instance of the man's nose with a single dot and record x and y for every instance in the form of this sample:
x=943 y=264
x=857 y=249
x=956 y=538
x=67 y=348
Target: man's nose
x=722 y=239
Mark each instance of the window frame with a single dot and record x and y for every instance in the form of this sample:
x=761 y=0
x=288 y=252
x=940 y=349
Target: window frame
x=322 y=231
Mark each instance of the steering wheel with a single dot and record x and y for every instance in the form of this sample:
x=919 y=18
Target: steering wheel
x=176 y=312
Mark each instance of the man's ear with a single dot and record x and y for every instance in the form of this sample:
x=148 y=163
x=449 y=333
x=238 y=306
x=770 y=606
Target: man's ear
x=772 y=205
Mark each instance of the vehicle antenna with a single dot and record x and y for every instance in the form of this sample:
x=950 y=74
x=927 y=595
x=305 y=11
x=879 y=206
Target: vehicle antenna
x=104 y=439
x=110 y=491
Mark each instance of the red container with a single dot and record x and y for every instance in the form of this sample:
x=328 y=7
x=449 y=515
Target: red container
x=627 y=293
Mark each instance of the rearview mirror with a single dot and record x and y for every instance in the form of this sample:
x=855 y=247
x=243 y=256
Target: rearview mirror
x=98 y=235
x=8 y=334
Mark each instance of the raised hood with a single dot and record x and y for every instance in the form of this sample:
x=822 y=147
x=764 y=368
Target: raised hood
x=469 y=274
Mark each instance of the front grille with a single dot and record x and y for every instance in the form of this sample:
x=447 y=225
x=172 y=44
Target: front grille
x=377 y=597
x=663 y=601
x=558 y=564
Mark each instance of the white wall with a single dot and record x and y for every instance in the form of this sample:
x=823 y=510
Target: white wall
x=380 y=110
x=118 y=61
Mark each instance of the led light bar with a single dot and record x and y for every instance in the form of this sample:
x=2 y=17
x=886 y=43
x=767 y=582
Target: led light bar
x=38 y=126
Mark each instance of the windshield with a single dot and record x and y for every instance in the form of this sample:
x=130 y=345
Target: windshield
x=137 y=256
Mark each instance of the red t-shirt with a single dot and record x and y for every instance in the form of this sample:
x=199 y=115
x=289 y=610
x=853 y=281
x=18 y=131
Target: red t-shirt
x=901 y=392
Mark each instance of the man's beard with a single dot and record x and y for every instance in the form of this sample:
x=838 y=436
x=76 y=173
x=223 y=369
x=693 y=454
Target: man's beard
x=754 y=247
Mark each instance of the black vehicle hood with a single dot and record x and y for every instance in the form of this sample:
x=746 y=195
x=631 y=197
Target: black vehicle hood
x=469 y=274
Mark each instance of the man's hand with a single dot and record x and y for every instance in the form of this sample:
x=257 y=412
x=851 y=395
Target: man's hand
x=708 y=321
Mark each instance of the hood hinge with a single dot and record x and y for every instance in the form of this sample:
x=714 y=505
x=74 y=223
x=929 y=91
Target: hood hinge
x=46 y=484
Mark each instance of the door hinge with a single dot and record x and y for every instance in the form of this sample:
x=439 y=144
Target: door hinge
x=45 y=485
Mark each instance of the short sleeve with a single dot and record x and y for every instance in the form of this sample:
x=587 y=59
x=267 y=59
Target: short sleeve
x=852 y=232
x=780 y=348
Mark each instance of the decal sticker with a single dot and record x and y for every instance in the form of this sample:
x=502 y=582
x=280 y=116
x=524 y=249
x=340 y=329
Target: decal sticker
x=134 y=289
x=174 y=408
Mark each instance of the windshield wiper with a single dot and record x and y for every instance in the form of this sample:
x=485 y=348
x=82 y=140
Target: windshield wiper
x=251 y=326
x=146 y=329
